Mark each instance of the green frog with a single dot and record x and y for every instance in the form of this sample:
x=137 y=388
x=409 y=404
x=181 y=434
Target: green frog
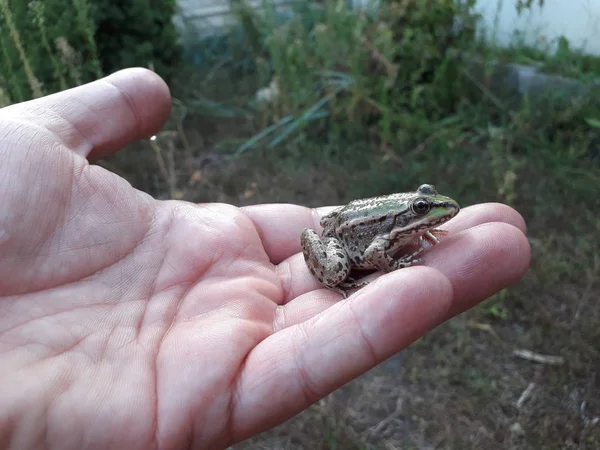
x=367 y=234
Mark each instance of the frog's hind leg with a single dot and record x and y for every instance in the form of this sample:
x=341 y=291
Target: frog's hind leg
x=326 y=258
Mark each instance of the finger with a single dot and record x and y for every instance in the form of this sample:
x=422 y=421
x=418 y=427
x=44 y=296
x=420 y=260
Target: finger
x=280 y=225
x=484 y=213
x=303 y=363
x=304 y=308
x=477 y=262
x=297 y=280
x=98 y=118
x=481 y=260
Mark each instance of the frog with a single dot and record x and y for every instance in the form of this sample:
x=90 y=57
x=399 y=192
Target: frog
x=368 y=233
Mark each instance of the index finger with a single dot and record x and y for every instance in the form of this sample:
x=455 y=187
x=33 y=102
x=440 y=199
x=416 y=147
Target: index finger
x=280 y=224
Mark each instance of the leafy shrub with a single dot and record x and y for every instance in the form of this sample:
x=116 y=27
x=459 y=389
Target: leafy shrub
x=383 y=67
x=46 y=46
x=137 y=33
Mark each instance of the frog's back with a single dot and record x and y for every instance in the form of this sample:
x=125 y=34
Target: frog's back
x=371 y=210
x=360 y=222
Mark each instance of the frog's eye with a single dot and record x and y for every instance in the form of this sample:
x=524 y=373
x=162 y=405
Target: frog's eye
x=420 y=206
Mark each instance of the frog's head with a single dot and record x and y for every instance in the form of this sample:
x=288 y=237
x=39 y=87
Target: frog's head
x=427 y=209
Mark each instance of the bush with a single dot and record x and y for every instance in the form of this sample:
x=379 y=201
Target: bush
x=46 y=47
x=384 y=68
x=137 y=33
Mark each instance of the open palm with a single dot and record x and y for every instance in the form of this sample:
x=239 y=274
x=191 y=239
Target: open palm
x=128 y=322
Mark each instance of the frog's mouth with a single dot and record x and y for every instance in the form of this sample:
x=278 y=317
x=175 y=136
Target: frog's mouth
x=443 y=211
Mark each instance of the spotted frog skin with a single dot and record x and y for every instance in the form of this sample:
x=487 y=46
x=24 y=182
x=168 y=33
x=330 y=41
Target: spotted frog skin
x=368 y=233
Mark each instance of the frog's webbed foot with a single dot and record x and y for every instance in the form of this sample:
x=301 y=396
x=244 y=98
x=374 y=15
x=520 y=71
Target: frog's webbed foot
x=343 y=291
x=326 y=258
x=350 y=285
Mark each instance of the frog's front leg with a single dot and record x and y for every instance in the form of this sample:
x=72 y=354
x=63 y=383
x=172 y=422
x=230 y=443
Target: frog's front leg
x=377 y=254
x=326 y=258
x=430 y=236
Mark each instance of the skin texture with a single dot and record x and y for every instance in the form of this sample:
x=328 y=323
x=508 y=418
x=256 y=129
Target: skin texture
x=127 y=322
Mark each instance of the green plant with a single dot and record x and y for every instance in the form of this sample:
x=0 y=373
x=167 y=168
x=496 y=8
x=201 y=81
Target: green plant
x=386 y=69
x=10 y=35
x=137 y=33
x=47 y=47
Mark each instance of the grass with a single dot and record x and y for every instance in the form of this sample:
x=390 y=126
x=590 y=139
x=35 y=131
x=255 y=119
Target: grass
x=363 y=109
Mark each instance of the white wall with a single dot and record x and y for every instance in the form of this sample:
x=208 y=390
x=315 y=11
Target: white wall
x=207 y=15
x=577 y=20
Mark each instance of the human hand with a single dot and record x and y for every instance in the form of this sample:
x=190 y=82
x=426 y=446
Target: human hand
x=134 y=323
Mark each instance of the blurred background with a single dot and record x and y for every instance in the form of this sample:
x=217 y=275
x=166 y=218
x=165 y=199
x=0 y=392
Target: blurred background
x=321 y=102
